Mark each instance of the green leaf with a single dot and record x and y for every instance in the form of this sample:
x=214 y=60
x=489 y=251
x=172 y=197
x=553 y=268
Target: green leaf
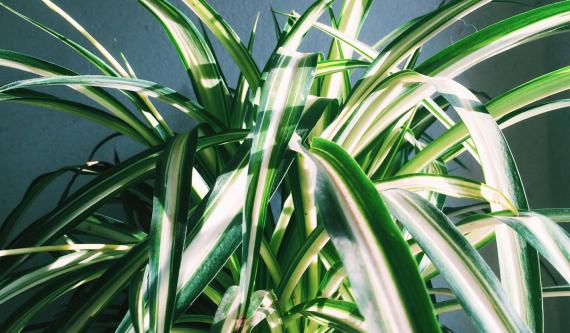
x=500 y=108
x=496 y=38
x=283 y=97
x=404 y=45
x=448 y=185
x=152 y=117
x=137 y=286
x=545 y=235
x=302 y=260
x=291 y=40
x=228 y=38
x=216 y=231
x=470 y=278
x=225 y=319
x=372 y=249
x=37 y=186
x=43 y=68
x=168 y=227
x=337 y=314
x=109 y=228
x=77 y=109
x=81 y=313
x=82 y=204
x=146 y=88
x=207 y=80
x=24 y=313
x=18 y=283
x=86 y=200
x=343 y=40
x=263 y=307
x=329 y=67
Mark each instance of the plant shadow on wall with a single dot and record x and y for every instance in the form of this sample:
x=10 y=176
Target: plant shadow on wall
x=302 y=201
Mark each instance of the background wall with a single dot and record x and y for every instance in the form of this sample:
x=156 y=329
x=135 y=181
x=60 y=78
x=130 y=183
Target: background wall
x=34 y=141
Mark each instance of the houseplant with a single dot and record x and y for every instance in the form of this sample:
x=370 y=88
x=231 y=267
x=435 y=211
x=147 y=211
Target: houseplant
x=302 y=201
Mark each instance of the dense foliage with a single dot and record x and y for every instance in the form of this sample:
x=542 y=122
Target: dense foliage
x=303 y=201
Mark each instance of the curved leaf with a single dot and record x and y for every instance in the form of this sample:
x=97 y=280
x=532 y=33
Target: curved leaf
x=372 y=249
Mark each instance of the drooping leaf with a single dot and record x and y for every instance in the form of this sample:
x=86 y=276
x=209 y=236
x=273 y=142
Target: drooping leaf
x=373 y=250
x=471 y=279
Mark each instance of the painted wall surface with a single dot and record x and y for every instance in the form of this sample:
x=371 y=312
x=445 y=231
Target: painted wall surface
x=35 y=141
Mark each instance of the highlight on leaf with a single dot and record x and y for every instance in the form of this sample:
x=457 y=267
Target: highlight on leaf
x=317 y=193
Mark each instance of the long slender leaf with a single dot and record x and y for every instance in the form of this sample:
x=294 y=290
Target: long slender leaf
x=229 y=39
x=209 y=85
x=147 y=88
x=333 y=313
x=168 y=227
x=80 y=314
x=349 y=204
x=43 y=68
x=471 y=279
x=282 y=98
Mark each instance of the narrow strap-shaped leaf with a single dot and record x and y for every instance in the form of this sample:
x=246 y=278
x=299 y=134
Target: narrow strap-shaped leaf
x=332 y=280
x=341 y=315
x=43 y=68
x=350 y=21
x=291 y=40
x=98 y=62
x=225 y=319
x=155 y=119
x=264 y=307
x=107 y=227
x=283 y=97
x=228 y=38
x=84 y=310
x=328 y=67
x=36 y=187
x=21 y=282
x=215 y=235
x=545 y=235
x=301 y=261
x=147 y=88
x=135 y=298
x=83 y=203
x=556 y=291
x=71 y=212
x=448 y=185
x=519 y=263
x=558 y=215
x=168 y=227
x=208 y=83
x=471 y=279
x=498 y=37
x=77 y=109
x=372 y=248
x=547 y=292
x=500 y=108
x=216 y=231
x=343 y=39
x=415 y=35
x=240 y=103
x=66 y=247
x=306 y=213
x=24 y=313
